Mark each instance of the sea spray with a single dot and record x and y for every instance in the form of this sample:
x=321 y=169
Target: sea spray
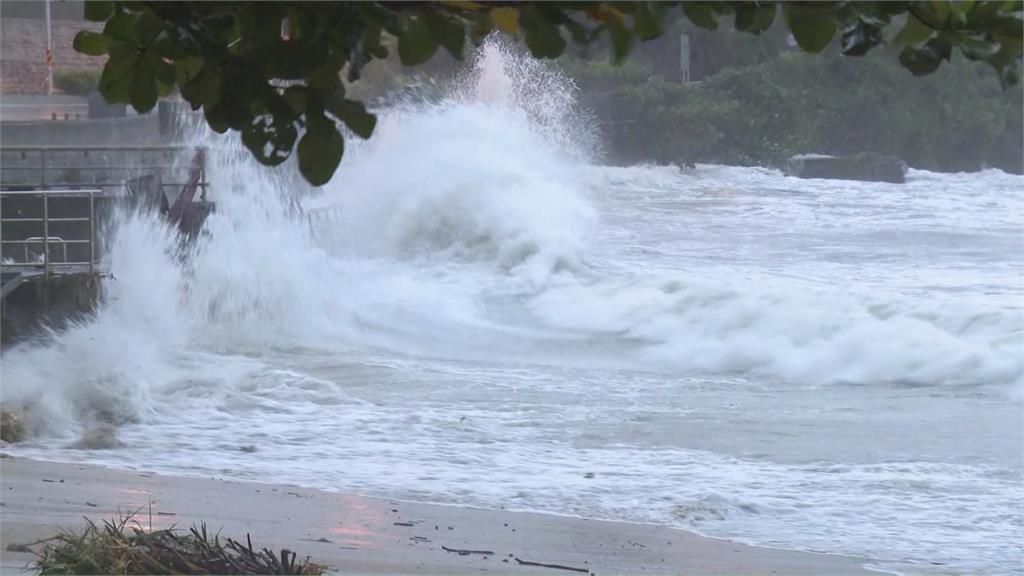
x=101 y=369
x=491 y=173
x=810 y=364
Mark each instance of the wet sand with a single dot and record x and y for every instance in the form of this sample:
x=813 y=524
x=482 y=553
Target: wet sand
x=356 y=534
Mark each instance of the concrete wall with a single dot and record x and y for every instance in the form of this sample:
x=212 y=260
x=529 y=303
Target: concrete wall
x=59 y=9
x=129 y=131
x=46 y=302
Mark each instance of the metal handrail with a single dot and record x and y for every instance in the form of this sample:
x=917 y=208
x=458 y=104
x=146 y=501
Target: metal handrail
x=45 y=151
x=56 y=192
x=322 y=215
x=46 y=245
x=46 y=239
x=107 y=148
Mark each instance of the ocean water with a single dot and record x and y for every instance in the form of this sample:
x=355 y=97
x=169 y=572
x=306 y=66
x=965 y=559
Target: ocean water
x=493 y=317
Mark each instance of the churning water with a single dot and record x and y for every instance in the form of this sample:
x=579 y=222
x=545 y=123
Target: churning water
x=496 y=319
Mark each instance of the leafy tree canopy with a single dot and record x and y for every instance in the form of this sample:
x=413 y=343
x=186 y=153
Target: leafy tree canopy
x=273 y=70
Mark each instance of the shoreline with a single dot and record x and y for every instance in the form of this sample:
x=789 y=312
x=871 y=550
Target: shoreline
x=358 y=534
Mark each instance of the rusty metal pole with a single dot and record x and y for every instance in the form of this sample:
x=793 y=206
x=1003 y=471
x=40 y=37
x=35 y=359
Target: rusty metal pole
x=92 y=232
x=49 y=51
x=46 y=233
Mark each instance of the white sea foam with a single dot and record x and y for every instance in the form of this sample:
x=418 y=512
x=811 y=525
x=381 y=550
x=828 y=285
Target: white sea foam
x=812 y=364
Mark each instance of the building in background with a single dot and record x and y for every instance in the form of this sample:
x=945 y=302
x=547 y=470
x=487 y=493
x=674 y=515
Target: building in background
x=23 y=44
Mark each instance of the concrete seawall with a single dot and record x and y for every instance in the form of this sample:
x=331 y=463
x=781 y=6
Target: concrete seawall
x=46 y=302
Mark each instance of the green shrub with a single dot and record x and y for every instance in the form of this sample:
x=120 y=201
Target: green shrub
x=958 y=119
x=77 y=82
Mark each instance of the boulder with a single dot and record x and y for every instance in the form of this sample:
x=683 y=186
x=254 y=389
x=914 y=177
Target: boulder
x=12 y=425
x=867 y=167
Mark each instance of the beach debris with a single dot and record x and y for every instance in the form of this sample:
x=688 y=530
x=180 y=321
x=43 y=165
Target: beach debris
x=15 y=547
x=589 y=475
x=465 y=552
x=124 y=547
x=91 y=505
x=552 y=566
x=403 y=524
x=324 y=540
x=248 y=448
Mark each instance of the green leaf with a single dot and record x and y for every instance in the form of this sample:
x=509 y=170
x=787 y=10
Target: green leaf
x=169 y=47
x=115 y=81
x=320 y=150
x=91 y=43
x=122 y=27
x=143 y=86
x=701 y=14
x=622 y=42
x=163 y=71
x=203 y=88
x=216 y=118
x=913 y=32
x=449 y=33
x=542 y=38
x=754 y=18
x=297 y=98
x=417 y=43
x=148 y=26
x=506 y=19
x=977 y=49
x=941 y=10
x=96 y=11
x=263 y=131
x=354 y=115
x=646 y=24
x=188 y=68
x=812 y=29
x=859 y=39
x=926 y=59
x=326 y=78
x=371 y=41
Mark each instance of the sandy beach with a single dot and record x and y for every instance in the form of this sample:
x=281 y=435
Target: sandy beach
x=356 y=534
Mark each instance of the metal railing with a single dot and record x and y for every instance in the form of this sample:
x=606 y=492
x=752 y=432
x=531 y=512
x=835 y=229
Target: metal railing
x=44 y=169
x=46 y=240
x=316 y=218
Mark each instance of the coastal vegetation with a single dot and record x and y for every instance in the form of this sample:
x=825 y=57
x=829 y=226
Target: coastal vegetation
x=76 y=82
x=125 y=547
x=273 y=71
x=761 y=114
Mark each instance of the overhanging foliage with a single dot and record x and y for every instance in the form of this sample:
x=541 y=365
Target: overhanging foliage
x=273 y=70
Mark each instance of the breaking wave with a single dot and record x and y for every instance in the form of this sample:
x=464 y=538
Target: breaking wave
x=479 y=279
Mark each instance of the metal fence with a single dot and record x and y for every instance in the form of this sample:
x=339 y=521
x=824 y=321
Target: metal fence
x=102 y=167
x=38 y=233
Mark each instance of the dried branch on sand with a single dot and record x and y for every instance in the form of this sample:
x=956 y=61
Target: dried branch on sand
x=124 y=547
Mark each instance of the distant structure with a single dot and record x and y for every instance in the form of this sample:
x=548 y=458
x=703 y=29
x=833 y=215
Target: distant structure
x=684 y=58
x=29 y=50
